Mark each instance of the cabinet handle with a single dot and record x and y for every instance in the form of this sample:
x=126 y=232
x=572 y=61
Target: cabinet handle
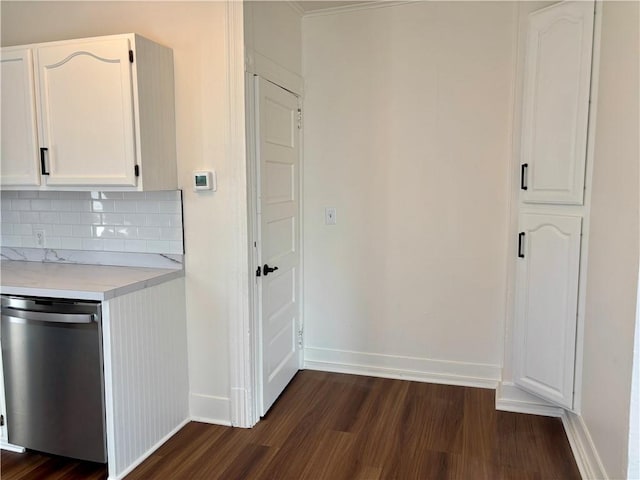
x=524 y=168
x=43 y=164
x=520 y=244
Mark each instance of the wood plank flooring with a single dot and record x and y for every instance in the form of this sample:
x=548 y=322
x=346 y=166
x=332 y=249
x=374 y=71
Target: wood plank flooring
x=333 y=426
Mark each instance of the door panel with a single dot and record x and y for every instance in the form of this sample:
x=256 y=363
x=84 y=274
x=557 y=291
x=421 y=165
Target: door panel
x=20 y=151
x=278 y=155
x=546 y=303
x=556 y=103
x=87 y=113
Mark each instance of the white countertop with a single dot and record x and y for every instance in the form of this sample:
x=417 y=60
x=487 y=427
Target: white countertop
x=83 y=282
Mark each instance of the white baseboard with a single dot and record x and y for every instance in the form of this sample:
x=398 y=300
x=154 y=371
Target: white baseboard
x=146 y=455
x=511 y=398
x=10 y=447
x=584 y=451
x=210 y=409
x=402 y=368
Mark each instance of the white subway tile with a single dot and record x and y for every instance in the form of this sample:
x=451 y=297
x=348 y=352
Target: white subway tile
x=170 y=234
x=10 y=217
x=40 y=205
x=169 y=207
x=62 y=205
x=29 y=217
x=8 y=194
x=92 y=244
x=6 y=229
x=148 y=233
x=135 y=246
x=5 y=205
x=21 y=205
x=158 y=220
x=102 y=206
x=133 y=195
x=158 y=246
x=26 y=194
x=113 y=245
x=23 y=229
x=63 y=230
x=81 y=231
x=124 y=206
x=27 y=242
x=91 y=218
x=145 y=206
x=46 y=227
x=49 y=195
x=71 y=243
x=52 y=242
x=112 y=219
x=135 y=219
x=11 y=240
x=126 y=232
x=81 y=205
x=100 y=231
x=71 y=218
x=49 y=217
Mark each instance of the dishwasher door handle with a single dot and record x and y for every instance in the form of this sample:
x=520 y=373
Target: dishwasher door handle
x=48 y=316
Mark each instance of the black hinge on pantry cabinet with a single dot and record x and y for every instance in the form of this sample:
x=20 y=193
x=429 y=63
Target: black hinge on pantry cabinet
x=259 y=271
x=136 y=170
x=131 y=56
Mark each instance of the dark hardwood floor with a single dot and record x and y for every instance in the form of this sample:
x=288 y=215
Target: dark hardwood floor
x=333 y=426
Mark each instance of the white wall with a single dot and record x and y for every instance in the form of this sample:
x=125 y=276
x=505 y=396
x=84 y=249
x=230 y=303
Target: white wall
x=407 y=133
x=214 y=243
x=614 y=239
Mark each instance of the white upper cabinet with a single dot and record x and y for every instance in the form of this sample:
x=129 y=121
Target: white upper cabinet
x=106 y=115
x=86 y=97
x=19 y=156
x=556 y=103
x=546 y=305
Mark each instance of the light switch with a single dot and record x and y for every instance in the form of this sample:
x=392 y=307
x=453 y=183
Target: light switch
x=330 y=216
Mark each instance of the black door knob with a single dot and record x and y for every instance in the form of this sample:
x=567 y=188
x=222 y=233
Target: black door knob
x=266 y=270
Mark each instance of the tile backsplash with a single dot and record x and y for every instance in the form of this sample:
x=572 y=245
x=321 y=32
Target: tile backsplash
x=144 y=222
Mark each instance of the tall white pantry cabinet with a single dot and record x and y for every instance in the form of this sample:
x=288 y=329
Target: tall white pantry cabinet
x=551 y=208
x=88 y=113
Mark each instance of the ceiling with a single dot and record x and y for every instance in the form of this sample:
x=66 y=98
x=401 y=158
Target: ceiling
x=314 y=6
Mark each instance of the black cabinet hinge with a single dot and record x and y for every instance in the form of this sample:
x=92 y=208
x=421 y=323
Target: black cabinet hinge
x=136 y=170
x=131 y=56
x=1 y=420
x=259 y=272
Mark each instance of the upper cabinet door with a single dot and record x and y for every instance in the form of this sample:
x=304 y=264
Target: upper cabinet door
x=19 y=160
x=87 y=112
x=556 y=103
x=546 y=305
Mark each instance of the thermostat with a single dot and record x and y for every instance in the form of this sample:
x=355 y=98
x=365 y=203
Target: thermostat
x=204 y=180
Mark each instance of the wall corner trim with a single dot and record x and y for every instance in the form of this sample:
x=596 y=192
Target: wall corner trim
x=583 y=448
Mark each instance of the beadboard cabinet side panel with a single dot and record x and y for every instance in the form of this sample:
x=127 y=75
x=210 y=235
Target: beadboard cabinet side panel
x=146 y=378
x=155 y=112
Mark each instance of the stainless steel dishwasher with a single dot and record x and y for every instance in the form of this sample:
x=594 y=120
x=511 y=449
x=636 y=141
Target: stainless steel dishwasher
x=53 y=374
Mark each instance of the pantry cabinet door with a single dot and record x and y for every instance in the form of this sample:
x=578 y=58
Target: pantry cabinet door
x=19 y=154
x=546 y=305
x=557 y=81
x=87 y=112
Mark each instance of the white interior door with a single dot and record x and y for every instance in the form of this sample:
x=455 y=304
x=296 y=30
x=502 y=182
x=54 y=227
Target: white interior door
x=278 y=154
x=556 y=103
x=87 y=112
x=546 y=305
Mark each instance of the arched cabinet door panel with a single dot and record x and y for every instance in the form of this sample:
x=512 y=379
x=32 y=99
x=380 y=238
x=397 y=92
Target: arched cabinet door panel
x=546 y=305
x=556 y=103
x=87 y=112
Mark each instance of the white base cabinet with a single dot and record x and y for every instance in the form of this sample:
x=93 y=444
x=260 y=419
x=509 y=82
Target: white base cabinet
x=104 y=115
